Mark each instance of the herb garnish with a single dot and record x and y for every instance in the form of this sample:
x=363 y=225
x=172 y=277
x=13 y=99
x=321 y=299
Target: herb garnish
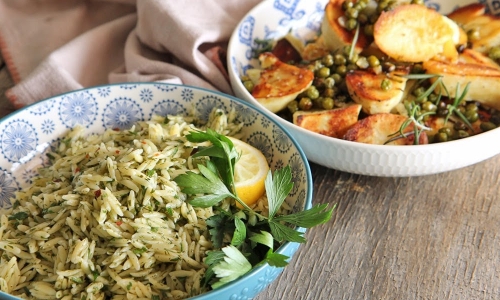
x=416 y=117
x=249 y=240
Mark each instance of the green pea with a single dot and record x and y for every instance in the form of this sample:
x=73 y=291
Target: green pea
x=494 y=53
x=446 y=130
x=329 y=82
x=329 y=93
x=471 y=115
x=462 y=134
x=293 y=106
x=473 y=35
x=352 y=13
x=248 y=84
x=312 y=92
x=373 y=61
x=485 y=126
x=351 y=24
x=429 y=106
x=386 y=84
x=328 y=103
x=341 y=70
x=362 y=18
x=323 y=72
x=340 y=59
x=368 y=29
x=471 y=106
x=337 y=78
x=441 y=137
x=417 y=69
x=418 y=91
x=327 y=60
x=305 y=103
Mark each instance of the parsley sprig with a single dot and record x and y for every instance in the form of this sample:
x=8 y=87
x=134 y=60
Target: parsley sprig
x=252 y=233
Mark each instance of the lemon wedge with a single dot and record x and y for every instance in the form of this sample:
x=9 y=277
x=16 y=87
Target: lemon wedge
x=250 y=172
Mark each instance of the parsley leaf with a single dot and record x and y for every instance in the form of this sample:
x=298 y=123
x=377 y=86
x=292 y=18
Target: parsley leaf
x=277 y=188
x=284 y=233
x=219 y=224
x=208 y=183
x=308 y=218
x=240 y=232
x=212 y=259
x=264 y=238
x=233 y=266
x=276 y=259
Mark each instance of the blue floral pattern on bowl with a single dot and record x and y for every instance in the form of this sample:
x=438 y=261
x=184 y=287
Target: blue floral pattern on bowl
x=28 y=133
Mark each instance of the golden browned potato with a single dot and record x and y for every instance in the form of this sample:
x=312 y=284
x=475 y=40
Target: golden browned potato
x=333 y=122
x=483 y=79
x=486 y=26
x=279 y=83
x=415 y=33
x=467 y=13
x=379 y=128
x=365 y=88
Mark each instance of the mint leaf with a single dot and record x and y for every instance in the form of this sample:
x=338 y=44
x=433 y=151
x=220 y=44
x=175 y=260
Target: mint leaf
x=308 y=218
x=278 y=186
x=264 y=238
x=283 y=233
x=233 y=266
x=240 y=232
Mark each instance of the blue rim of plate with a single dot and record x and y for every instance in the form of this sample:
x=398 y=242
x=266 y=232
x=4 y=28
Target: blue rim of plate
x=287 y=246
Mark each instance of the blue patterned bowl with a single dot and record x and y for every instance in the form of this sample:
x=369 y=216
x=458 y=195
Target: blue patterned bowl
x=26 y=134
x=272 y=19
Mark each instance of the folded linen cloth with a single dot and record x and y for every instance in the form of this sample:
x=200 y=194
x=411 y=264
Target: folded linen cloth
x=53 y=46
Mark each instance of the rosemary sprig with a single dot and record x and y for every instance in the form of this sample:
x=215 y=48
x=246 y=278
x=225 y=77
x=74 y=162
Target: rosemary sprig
x=453 y=108
x=414 y=110
x=416 y=118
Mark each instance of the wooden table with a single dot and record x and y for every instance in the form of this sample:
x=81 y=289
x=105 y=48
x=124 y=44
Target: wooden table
x=431 y=237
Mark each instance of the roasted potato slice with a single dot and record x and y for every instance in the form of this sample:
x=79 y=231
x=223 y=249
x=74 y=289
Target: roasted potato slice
x=467 y=13
x=334 y=34
x=364 y=87
x=315 y=50
x=415 y=33
x=474 y=17
x=379 y=128
x=279 y=83
x=333 y=122
x=475 y=57
x=483 y=80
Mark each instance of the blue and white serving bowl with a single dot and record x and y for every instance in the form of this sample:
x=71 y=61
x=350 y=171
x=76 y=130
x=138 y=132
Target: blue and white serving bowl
x=27 y=134
x=272 y=19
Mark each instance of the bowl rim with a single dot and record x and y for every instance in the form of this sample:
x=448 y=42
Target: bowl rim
x=234 y=80
x=309 y=181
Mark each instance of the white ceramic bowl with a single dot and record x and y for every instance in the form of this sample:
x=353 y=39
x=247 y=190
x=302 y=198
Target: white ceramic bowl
x=26 y=134
x=275 y=18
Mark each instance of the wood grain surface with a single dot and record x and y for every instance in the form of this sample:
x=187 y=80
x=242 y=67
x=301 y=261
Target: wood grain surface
x=431 y=237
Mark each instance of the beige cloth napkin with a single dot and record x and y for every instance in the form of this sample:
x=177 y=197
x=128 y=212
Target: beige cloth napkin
x=55 y=46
